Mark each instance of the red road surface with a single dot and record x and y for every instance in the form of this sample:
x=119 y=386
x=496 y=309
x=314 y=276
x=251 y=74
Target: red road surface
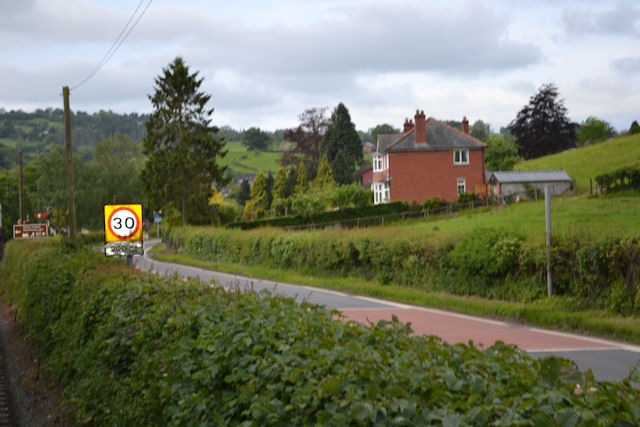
x=457 y=328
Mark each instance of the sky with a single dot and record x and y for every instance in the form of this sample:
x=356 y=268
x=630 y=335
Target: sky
x=265 y=62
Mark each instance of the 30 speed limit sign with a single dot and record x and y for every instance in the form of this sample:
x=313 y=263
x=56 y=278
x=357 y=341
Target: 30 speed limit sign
x=123 y=230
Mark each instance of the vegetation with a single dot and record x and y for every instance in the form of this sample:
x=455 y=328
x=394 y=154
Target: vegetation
x=593 y=130
x=255 y=139
x=586 y=163
x=500 y=154
x=163 y=351
x=342 y=146
x=182 y=151
x=542 y=127
x=306 y=138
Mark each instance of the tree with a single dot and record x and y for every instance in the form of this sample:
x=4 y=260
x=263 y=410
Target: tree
x=341 y=135
x=500 y=154
x=258 y=202
x=244 y=193
x=182 y=151
x=302 y=180
x=594 y=130
x=542 y=127
x=343 y=169
x=324 y=179
x=306 y=138
x=635 y=128
x=280 y=192
x=381 y=130
x=256 y=139
x=480 y=130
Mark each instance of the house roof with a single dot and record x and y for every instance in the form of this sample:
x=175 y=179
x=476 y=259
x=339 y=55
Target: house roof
x=531 y=176
x=440 y=136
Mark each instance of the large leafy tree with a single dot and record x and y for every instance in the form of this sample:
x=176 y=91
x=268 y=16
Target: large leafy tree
x=542 y=126
x=306 y=138
x=382 y=129
x=500 y=154
x=594 y=130
x=256 y=139
x=181 y=146
x=341 y=136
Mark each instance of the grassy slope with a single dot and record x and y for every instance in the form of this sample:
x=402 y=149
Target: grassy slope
x=242 y=161
x=588 y=162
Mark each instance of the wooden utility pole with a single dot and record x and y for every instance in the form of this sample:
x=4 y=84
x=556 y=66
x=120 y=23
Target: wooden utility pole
x=20 y=189
x=71 y=204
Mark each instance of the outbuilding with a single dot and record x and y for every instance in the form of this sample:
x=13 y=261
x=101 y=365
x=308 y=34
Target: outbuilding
x=515 y=185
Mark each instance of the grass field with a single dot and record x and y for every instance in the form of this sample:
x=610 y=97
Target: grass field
x=242 y=161
x=591 y=161
x=615 y=216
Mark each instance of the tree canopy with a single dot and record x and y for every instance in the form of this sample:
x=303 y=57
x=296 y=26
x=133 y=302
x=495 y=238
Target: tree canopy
x=542 y=126
x=480 y=130
x=593 y=130
x=341 y=136
x=500 y=154
x=382 y=129
x=635 y=128
x=256 y=139
x=324 y=179
x=306 y=138
x=182 y=151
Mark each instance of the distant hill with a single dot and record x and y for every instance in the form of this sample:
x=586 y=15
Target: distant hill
x=34 y=133
x=591 y=161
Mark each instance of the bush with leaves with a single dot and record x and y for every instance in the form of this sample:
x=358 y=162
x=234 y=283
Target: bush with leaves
x=137 y=349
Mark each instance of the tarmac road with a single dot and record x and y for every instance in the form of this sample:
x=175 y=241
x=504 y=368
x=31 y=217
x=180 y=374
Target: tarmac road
x=608 y=360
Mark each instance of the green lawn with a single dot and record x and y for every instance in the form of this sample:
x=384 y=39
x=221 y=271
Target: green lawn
x=601 y=216
x=591 y=161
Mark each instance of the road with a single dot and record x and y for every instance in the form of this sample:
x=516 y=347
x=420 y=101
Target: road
x=608 y=360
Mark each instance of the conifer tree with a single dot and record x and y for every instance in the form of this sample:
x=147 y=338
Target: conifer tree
x=302 y=180
x=279 y=192
x=258 y=202
x=324 y=180
x=341 y=135
x=183 y=153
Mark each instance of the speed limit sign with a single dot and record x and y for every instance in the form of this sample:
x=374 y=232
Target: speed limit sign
x=123 y=230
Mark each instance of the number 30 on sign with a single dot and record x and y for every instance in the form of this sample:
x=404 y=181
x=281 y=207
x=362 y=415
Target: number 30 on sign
x=122 y=223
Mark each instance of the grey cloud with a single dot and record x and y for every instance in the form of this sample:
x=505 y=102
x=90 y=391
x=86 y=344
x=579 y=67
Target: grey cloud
x=624 y=19
x=629 y=65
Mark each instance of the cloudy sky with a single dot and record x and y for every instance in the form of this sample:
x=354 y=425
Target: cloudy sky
x=266 y=61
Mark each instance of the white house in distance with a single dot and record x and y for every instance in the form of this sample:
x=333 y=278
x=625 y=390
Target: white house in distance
x=520 y=183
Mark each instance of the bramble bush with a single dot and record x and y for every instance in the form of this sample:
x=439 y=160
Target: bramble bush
x=135 y=349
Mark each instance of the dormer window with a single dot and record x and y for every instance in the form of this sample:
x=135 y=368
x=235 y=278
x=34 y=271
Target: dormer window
x=461 y=156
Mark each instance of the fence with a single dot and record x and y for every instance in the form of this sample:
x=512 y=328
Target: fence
x=382 y=220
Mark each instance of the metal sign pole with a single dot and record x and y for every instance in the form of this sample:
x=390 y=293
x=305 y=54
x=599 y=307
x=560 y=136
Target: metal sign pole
x=547 y=213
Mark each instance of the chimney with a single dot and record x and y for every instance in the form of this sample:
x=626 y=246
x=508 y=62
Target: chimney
x=465 y=125
x=408 y=125
x=421 y=128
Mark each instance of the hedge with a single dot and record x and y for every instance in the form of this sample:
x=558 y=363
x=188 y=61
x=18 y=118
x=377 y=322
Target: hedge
x=340 y=215
x=136 y=349
x=628 y=177
x=489 y=262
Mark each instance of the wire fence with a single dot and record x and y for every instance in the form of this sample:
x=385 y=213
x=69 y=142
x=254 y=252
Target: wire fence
x=394 y=218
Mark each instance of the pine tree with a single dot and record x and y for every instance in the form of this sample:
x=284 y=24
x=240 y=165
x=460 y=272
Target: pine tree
x=343 y=169
x=342 y=136
x=258 y=202
x=324 y=179
x=183 y=153
x=302 y=180
x=280 y=192
x=635 y=128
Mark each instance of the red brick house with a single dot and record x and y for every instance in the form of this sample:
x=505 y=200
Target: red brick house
x=428 y=159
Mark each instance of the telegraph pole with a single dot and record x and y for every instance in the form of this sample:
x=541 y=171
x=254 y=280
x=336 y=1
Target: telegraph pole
x=547 y=212
x=71 y=204
x=20 y=189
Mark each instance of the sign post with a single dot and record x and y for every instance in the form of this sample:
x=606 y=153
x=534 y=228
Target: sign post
x=30 y=231
x=123 y=231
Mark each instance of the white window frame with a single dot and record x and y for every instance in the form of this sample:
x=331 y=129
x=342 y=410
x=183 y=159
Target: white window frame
x=461 y=182
x=461 y=156
x=378 y=165
x=381 y=193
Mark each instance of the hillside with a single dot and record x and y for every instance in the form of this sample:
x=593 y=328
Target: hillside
x=591 y=161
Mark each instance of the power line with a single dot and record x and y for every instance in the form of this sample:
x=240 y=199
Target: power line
x=117 y=43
